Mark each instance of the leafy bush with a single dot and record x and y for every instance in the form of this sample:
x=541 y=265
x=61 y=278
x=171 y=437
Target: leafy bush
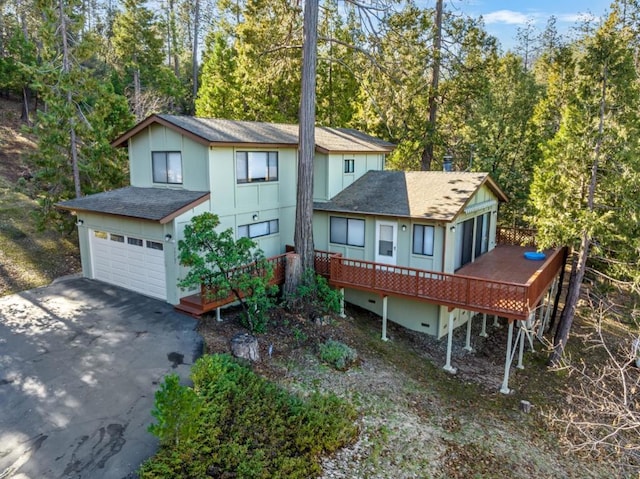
x=338 y=354
x=248 y=427
x=314 y=293
x=227 y=266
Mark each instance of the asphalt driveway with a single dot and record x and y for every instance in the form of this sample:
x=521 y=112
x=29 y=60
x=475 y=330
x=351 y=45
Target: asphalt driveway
x=80 y=362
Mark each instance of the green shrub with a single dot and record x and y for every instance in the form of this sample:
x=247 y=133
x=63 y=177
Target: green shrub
x=338 y=354
x=315 y=294
x=176 y=410
x=249 y=427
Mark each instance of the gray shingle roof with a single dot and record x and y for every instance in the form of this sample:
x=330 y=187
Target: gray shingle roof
x=217 y=131
x=433 y=195
x=156 y=204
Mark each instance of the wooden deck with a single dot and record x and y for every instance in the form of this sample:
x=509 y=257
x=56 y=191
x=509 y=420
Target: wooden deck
x=501 y=282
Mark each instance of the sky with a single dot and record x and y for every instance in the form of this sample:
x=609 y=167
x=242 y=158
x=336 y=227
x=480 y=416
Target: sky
x=503 y=17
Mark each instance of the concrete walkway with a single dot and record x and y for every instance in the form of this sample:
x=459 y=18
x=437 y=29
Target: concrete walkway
x=80 y=362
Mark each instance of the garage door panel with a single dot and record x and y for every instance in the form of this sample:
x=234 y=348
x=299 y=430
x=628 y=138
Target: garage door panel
x=128 y=264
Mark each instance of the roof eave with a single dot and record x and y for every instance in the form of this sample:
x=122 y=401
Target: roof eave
x=164 y=220
x=326 y=151
x=185 y=208
x=391 y=215
x=122 y=140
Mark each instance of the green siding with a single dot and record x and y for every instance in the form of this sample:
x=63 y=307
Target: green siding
x=320 y=178
x=336 y=179
x=414 y=315
x=160 y=138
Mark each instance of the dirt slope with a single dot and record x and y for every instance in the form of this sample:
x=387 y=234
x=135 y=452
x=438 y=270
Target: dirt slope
x=28 y=258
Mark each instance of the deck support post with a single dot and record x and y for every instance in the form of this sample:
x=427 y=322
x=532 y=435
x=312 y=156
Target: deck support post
x=342 y=314
x=483 y=333
x=507 y=363
x=447 y=366
x=384 y=318
x=521 y=333
x=467 y=344
x=547 y=310
x=496 y=324
x=218 y=318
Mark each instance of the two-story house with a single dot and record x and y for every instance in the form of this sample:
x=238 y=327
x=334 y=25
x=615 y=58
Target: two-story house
x=417 y=248
x=245 y=172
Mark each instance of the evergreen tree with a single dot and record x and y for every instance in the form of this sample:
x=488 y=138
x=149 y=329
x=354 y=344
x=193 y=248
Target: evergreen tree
x=138 y=49
x=582 y=191
x=218 y=97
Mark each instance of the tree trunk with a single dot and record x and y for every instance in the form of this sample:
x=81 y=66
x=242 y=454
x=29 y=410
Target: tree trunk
x=569 y=311
x=24 y=116
x=303 y=236
x=293 y=273
x=137 y=94
x=66 y=68
x=427 y=153
x=573 y=295
x=194 y=65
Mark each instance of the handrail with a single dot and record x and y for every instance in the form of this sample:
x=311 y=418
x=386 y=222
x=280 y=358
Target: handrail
x=477 y=294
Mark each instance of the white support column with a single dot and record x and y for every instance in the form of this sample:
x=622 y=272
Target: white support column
x=384 y=319
x=548 y=308
x=218 y=318
x=530 y=328
x=467 y=344
x=496 y=324
x=447 y=366
x=342 y=315
x=507 y=363
x=521 y=334
x=483 y=333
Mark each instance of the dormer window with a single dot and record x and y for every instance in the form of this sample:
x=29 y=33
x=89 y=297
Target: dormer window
x=254 y=166
x=167 y=167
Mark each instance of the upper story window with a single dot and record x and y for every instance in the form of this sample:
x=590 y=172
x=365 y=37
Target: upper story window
x=255 y=230
x=423 y=240
x=349 y=166
x=167 y=167
x=347 y=231
x=256 y=166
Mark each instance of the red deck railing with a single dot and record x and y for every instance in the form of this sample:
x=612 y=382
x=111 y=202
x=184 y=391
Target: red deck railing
x=476 y=294
x=516 y=236
x=511 y=300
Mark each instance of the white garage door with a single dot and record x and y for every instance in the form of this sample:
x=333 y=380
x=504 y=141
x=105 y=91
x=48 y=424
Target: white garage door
x=132 y=262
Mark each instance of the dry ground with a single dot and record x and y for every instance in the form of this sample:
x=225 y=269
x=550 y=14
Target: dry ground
x=417 y=420
x=28 y=258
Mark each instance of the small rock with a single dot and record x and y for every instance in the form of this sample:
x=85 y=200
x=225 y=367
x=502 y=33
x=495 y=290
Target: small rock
x=525 y=406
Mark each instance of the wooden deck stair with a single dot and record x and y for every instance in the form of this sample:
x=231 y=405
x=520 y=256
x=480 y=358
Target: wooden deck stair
x=200 y=303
